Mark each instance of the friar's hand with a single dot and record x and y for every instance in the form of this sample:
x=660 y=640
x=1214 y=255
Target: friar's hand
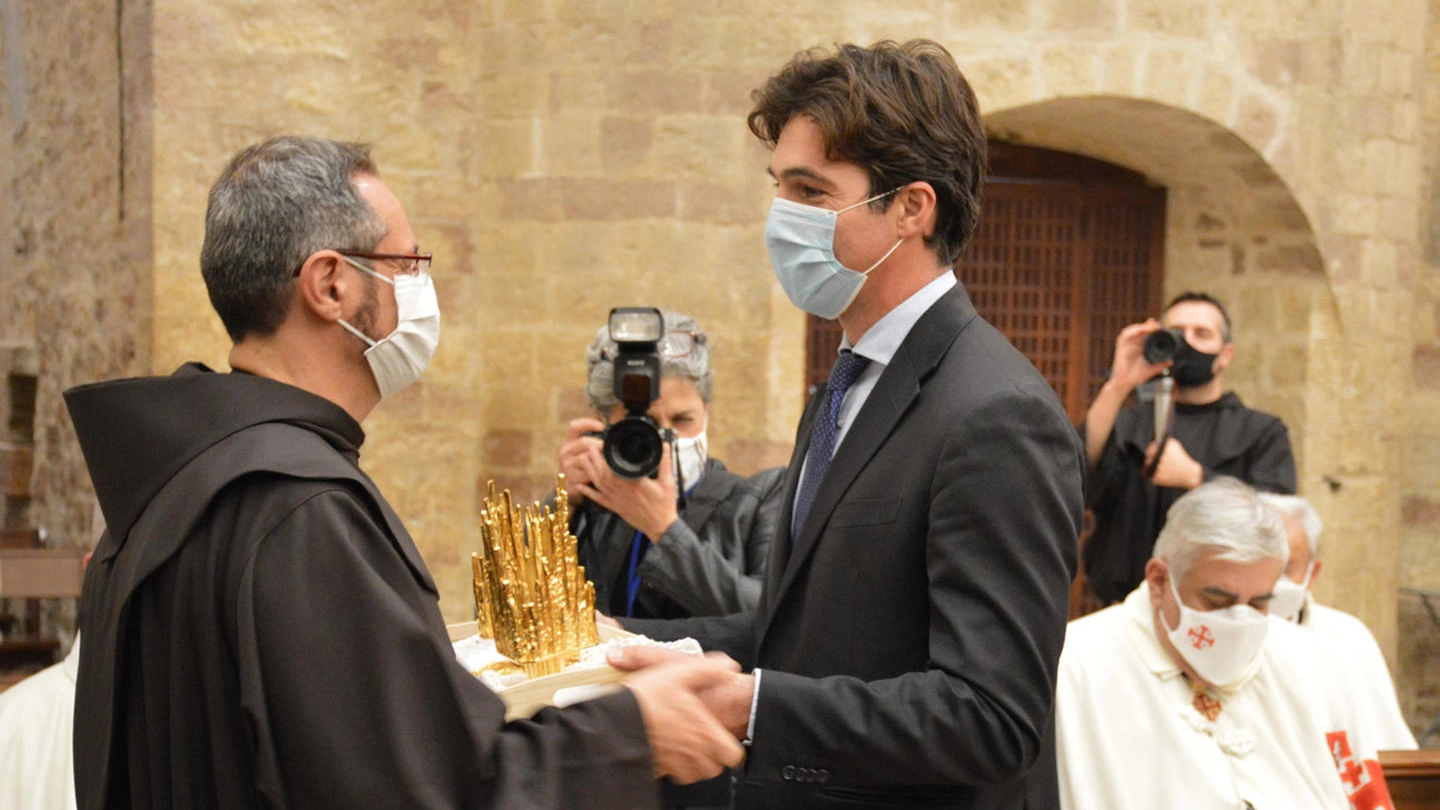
x=686 y=740
x=1176 y=467
x=1129 y=367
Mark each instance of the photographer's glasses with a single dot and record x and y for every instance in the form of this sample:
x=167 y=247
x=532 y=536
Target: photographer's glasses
x=676 y=344
x=673 y=346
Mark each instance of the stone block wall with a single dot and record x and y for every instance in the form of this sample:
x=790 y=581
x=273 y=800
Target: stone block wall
x=74 y=163
x=1419 y=637
x=19 y=618
x=18 y=374
x=559 y=159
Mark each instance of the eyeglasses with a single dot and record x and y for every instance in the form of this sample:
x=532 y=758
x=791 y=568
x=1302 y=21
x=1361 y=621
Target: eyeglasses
x=411 y=263
x=677 y=344
x=673 y=346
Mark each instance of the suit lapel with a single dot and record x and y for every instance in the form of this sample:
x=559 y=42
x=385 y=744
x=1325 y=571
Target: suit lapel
x=897 y=388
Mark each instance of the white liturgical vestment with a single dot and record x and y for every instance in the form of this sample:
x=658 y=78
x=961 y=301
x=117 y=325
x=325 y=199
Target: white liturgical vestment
x=1365 y=679
x=1131 y=733
x=37 y=715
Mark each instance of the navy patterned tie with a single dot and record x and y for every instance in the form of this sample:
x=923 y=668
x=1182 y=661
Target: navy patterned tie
x=822 y=435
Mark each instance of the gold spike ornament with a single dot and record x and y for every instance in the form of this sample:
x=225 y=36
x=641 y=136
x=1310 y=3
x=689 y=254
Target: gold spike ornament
x=531 y=594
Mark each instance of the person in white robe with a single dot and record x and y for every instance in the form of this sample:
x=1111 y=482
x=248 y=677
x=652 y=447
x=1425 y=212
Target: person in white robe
x=1364 y=678
x=36 y=721
x=1187 y=695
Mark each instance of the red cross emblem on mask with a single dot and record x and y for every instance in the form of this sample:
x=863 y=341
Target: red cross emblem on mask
x=1201 y=637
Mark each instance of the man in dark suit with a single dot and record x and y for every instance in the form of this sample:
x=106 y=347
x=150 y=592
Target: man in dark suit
x=906 y=641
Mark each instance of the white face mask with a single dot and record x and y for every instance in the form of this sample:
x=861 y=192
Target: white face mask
x=1290 y=596
x=1223 y=645
x=801 y=241
x=398 y=359
x=690 y=455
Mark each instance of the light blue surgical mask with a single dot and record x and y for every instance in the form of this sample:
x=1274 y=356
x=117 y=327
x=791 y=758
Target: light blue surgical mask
x=801 y=240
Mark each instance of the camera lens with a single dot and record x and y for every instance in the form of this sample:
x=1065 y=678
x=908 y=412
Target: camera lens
x=633 y=447
x=1162 y=345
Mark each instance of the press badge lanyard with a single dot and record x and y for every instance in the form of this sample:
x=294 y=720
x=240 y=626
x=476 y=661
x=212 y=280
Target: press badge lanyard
x=638 y=548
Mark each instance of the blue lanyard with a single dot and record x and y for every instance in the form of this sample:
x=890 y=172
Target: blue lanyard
x=638 y=547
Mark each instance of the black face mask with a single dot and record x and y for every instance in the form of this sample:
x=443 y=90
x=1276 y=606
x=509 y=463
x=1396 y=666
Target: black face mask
x=1192 y=367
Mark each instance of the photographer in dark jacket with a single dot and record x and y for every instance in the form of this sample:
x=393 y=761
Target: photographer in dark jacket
x=1211 y=433
x=658 y=547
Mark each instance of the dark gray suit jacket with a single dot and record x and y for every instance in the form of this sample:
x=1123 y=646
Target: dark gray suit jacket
x=910 y=639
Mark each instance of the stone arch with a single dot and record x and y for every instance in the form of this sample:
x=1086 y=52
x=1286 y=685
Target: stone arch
x=1206 y=77
x=1234 y=228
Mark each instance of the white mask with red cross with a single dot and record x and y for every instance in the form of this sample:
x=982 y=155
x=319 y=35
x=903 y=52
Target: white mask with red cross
x=1220 y=645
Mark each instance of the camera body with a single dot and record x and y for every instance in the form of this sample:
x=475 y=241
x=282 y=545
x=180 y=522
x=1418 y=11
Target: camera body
x=1162 y=345
x=634 y=445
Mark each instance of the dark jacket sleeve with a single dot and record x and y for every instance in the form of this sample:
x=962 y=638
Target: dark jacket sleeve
x=733 y=635
x=1269 y=460
x=357 y=699
x=1107 y=478
x=721 y=568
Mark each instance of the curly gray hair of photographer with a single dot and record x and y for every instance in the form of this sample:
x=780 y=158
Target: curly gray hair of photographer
x=693 y=366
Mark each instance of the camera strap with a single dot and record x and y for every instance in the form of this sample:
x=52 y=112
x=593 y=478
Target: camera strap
x=1164 y=405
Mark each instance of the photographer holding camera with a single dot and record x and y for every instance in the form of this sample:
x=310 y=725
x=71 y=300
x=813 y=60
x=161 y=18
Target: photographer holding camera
x=1137 y=471
x=665 y=530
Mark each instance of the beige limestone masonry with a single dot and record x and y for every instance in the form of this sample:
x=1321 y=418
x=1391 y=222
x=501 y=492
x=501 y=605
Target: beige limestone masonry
x=564 y=156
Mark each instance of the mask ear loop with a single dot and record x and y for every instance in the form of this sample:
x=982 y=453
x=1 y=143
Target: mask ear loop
x=1174 y=591
x=892 y=249
x=369 y=341
x=669 y=438
x=868 y=200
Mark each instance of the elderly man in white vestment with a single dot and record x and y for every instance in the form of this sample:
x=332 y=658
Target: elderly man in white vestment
x=1364 y=678
x=1187 y=695
x=36 y=717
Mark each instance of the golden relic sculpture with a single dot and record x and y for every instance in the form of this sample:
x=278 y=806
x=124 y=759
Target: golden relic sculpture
x=531 y=594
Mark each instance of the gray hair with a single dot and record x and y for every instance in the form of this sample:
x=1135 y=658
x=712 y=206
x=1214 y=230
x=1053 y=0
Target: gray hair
x=695 y=366
x=1224 y=519
x=275 y=204
x=1294 y=507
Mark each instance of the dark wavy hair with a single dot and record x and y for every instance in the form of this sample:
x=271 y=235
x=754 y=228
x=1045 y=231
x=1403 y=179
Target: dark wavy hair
x=903 y=112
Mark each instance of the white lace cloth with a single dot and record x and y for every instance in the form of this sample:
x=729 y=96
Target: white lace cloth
x=476 y=653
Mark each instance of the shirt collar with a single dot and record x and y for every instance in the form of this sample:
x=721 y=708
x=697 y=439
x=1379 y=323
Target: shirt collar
x=881 y=341
x=1141 y=630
